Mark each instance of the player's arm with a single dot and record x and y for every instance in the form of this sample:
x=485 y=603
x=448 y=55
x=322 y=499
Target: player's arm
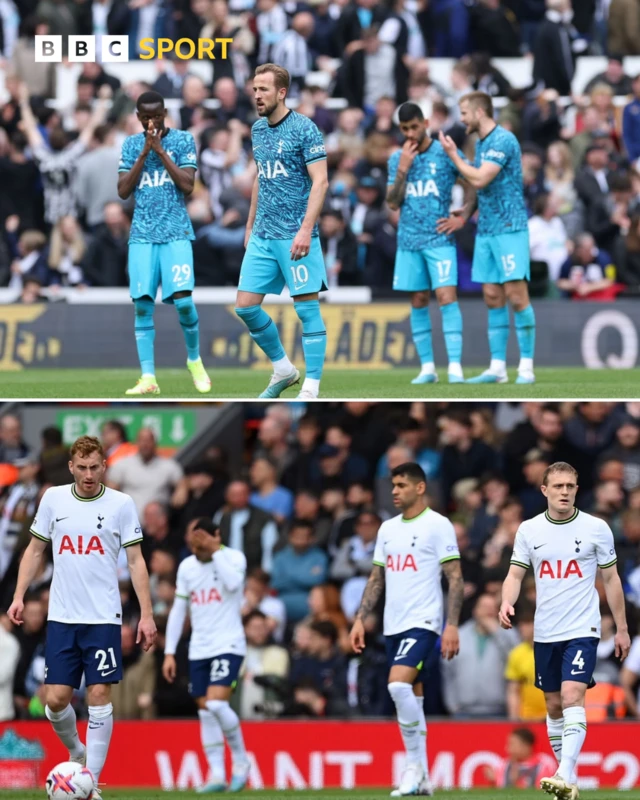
x=478 y=177
x=252 y=211
x=183 y=177
x=398 y=182
x=615 y=598
x=395 y=192
x=458 y=219
x=175 y=627
x=450 y=645
x=127 y=181
x=319 y=184
x=510 y=592
x=29 y=566
x=372 y=592
x=140 y=579
x=231 y=574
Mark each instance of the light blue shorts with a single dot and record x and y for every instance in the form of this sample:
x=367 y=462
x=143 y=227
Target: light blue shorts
x=500 y=259
x=424 y=270
x=267 y=266
x=169 y=264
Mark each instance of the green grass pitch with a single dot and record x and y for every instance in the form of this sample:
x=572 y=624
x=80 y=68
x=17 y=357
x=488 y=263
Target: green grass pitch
x=356 y=384
x=327 y=794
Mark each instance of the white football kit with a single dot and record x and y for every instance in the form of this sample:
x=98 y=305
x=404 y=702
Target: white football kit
x=412 y=553
x=86 y=535
x=565 y=556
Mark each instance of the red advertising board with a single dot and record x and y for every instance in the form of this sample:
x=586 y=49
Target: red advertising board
x=312 y=754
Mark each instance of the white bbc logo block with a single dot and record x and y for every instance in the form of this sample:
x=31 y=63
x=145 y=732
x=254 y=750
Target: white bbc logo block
x=48 y=49
x=115 y=49
x=82 y=49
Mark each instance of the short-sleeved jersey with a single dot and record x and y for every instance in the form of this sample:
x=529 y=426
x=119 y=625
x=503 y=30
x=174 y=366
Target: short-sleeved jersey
x=282 y=153
x=216 y=618
x=427 y=197
x=412 y=552
x=565 y=556
x=501 y=203
x=86 y=536
x=160 y=213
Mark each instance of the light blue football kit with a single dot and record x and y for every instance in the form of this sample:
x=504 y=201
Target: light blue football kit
x=502 y=250
x=283 y=153
x=160 y=251
x=425 y=259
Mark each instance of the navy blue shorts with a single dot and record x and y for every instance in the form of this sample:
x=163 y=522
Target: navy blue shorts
x=412 y=648
x=572 y=660
x=220 y=670
x=73 y=649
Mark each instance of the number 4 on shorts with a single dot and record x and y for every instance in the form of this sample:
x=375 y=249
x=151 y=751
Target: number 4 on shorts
x=578 y=662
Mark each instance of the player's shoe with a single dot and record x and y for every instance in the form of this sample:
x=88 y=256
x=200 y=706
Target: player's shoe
x=306 y=394
x=411 y=782
x=240 y=776
x=278 y=384
x=426 y=789
x=201 y=380
x=455 y=376
x=81 y=759
x=145 y=385
x=525 y=377
x=212 y=788
x=558 y=786
x=425 y=377
x=96 y=794
x=489 y=377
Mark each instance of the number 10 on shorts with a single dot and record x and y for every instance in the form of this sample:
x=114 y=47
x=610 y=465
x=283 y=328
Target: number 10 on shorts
x=299 y=275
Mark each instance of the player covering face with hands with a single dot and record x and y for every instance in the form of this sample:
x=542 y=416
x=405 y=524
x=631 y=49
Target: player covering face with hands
x=86 y=525
x=565 y=548
x=411 y=553
x=209 y=588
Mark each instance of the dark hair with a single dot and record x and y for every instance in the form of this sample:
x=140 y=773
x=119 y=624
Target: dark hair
x=619 y=182
x=85 y=80
x=18 y=140
x=525 y=735
x=150 y=98
x=461 y=417
x=116 y=425
x=51 y=436
x=258 y=574
x=302 y=523
x=326 y=629
x=368 y=512
x=526 y=614
x=409 y=470
x=254 y=614
x=550 y=408
x=102 y=132
x=410 y=111
x=206 y=524
x=539 y=203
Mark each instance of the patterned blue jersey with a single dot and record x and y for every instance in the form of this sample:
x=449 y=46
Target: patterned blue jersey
x=427 y=197
x=160 y=213
x=501 y=203
x=282 y=153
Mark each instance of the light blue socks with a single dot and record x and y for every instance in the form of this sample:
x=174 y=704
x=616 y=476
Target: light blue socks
x=526 y=331
x=145 y=334
x=452 y=329
x=263 y=331
x=498 y=333
x=188 y=317
x=314 y=337
x=421 y=332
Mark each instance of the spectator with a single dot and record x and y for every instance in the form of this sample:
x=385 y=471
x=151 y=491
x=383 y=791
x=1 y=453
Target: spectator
x=157 y=530
x=371 y=72
x=307 y=507
x=473 y=682
x=271 y=24
x=589 y=133
x=54 y=458
x=584 y=273
x=9 y=657
x=96 y=180
x=258 y=596
x=296 y=569
x=608 y=216
x=31 y=260
x=626 y=449
x=601 y=98
x=200 y=493
x=262 y=659
x=132 y=698
x=268 y=495
x=623 y=24
x=354 y=557
x=39 y=77
x=463 y=456
x=273 y=439
x=30 y=636
x=591 y=430
x=555 y=48
x=522 y=769
x=324 y=666
x=116 y=442
x=66 y=253
x=247 y=528
x=631 y=123
x=494 y=29
x=614 y=76
x=12 y=445
x=106 y=260
x=145 y=476
x=22 y=192
x=340 y=249
x=547 y=235
x=292 y=51
x=220 y=160
x=170 y=81
x=524 y=700
x=592 y=180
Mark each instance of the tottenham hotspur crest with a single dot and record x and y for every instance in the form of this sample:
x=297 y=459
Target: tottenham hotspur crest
x=100 y=521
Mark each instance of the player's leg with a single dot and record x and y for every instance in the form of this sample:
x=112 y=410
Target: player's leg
x=518 y=295
x=222 y=680
x=555 y=722
x=63 y=673
x=178 y=283
x=144 y=279
x=410 y=274
x=442 y=264
x=425 y=787
x=100 y=728
x=213 y=747
x=260 y=274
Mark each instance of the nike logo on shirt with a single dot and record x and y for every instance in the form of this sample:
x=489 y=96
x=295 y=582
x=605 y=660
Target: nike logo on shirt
x=538 y=546
x=59 y=519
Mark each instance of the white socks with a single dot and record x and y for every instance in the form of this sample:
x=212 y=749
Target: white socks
x=283 y=366
x=422 y=727
x=98 y=737
x=407 y=710
x=230 y=725
x=555 y=728
x=64 y=724
x=428 y=369
x=497 y=366
x=573 y=736
x=526 y=365
x=311 y=385
x=212 y=744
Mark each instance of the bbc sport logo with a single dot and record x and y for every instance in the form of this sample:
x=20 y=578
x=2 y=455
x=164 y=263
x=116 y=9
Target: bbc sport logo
x=115 y=49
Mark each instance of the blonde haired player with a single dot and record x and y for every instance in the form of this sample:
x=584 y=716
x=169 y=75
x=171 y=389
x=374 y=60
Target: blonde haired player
x=565 y=547
x=86 y=524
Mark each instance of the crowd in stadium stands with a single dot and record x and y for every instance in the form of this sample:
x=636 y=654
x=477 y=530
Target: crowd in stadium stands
x=62 y=222
x=306 y=510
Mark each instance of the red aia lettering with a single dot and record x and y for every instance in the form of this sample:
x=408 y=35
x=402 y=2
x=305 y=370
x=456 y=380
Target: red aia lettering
x=396 y=564
x=202 y=598
x=94 y=545
x=573 y=568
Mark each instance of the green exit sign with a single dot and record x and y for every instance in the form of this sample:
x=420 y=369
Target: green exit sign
x=171 y=428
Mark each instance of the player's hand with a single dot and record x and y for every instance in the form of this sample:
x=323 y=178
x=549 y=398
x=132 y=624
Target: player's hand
x=147 y=633
x=409 y=152
x=202 y=540
x=15 y=612
x=105 y=92
x=451 y=224
x=169 y=669
x=153 y=139
x=301 y=245
x=622 y=642
x=356 y=637
x=450 y=643
x=505 y=614
x=448 y=144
